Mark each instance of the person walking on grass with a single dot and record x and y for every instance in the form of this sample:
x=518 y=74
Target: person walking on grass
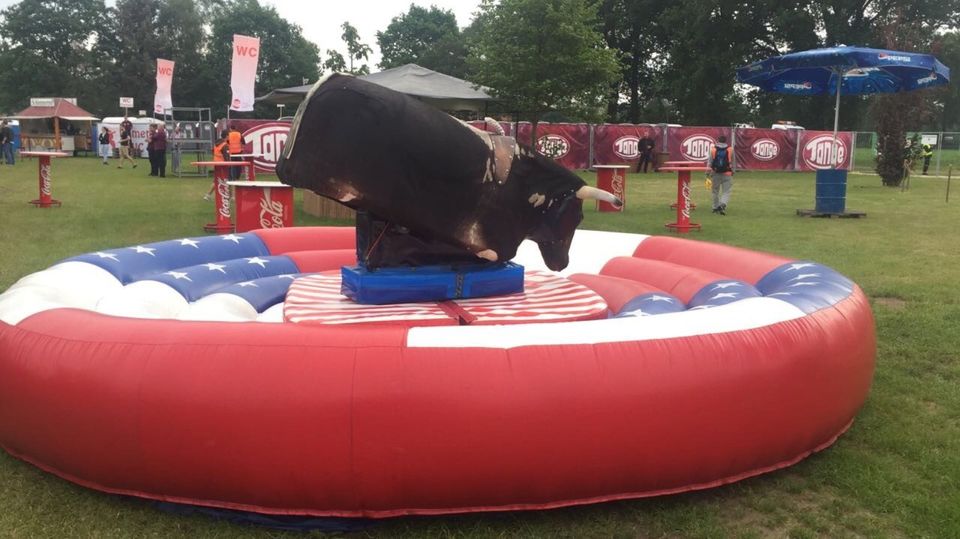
x=721 y=159
x=106 y=150
x=6 y=143
x=125 y=140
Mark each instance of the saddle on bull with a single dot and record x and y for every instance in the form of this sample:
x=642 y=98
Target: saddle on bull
x=428 y=188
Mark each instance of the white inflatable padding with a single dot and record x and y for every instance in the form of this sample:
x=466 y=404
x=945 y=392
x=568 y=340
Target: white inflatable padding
x=273 y=314
x=25 y=300
x=73 y=284
x=143 y=299
x=589 y=251
x=220 y=308
x=737 y=316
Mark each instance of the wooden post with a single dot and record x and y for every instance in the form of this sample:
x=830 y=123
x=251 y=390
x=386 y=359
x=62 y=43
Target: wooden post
x=949 y=174
x=56 y=134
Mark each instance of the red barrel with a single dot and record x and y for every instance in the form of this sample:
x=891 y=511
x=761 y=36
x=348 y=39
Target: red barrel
x=612 y=178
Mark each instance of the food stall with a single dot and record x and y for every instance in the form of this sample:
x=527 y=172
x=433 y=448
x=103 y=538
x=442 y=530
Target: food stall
x=55 y=124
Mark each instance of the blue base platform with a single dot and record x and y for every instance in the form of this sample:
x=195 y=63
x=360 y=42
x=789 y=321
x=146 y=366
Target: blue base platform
x=429 y=283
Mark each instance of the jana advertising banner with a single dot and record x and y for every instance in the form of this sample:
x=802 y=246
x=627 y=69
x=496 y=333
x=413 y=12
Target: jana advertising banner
x=265 y=138
x=568 y=144
x=816 y=150
x=766 y=149
x=620 y=144
x=694 y=143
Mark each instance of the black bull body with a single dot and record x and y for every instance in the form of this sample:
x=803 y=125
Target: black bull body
x=415 y=167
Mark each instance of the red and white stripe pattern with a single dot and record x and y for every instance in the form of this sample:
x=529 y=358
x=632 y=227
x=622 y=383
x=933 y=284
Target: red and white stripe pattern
x=316 y=299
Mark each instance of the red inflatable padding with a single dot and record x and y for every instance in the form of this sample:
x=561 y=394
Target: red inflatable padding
x=307 y=238
x=280 y=418
x=681 y=281
x=733 y=262
x=314 y=261
x=614 y=290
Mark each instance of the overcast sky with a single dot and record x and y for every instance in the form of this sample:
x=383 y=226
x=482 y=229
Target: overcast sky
x=321 y=19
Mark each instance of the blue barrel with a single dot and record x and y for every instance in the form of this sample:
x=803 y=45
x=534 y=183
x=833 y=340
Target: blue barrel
x=831 y=191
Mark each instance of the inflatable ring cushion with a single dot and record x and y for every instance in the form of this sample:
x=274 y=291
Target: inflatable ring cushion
x=166 y=371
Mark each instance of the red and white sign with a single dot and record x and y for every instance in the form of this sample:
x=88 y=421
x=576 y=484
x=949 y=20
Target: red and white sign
x=553 y=146
x=620 y=144
x=766 y=149
x=246 y=53
x=162 y=100
x=267 y=140
x=816 y=150
x=697 y=147
x=126 y=102
x=694 y=143
x=568 y=144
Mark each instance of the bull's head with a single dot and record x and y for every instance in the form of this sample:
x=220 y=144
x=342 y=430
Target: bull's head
x=556 y=196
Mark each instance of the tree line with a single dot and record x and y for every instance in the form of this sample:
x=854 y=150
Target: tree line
x=576 y=60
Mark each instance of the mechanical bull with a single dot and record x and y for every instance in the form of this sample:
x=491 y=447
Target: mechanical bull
x=449 y=190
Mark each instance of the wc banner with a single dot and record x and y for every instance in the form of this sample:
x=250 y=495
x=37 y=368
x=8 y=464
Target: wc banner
x=162 y=99
x=766 y=149
x=246 y=52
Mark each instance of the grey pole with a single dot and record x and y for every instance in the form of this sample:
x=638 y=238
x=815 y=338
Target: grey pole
x=836 y=119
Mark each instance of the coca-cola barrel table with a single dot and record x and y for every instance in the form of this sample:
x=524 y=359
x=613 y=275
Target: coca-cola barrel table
x=223 y=223
x=681 y=164
x=683 y=225
x=263 y=205
x=46 y=199
x=613 y=179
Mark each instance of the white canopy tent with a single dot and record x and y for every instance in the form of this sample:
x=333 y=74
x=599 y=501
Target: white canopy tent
x=442 y=91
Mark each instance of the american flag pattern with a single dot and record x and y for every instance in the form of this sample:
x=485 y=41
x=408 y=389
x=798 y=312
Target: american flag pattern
x=242 y=266
x=316 y=299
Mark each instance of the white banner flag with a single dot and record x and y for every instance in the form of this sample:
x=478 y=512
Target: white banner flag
x=246 y=52
x=162 y=99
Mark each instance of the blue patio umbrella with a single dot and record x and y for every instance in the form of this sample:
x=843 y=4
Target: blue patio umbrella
x=845 y=71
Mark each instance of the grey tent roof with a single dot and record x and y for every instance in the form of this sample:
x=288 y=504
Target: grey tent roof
x=441 y=90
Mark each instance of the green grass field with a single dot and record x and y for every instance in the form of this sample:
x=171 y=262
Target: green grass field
x=896 y=473
x=864 y=162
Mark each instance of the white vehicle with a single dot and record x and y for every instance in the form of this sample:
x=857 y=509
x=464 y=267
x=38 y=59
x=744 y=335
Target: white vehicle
x=786 y=126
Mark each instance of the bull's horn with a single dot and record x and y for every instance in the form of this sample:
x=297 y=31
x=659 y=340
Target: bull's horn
x=493 y=126
x=586 y=192
x=488 y=254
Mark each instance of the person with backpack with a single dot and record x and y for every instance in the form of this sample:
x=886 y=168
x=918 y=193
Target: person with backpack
x=721 y=169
